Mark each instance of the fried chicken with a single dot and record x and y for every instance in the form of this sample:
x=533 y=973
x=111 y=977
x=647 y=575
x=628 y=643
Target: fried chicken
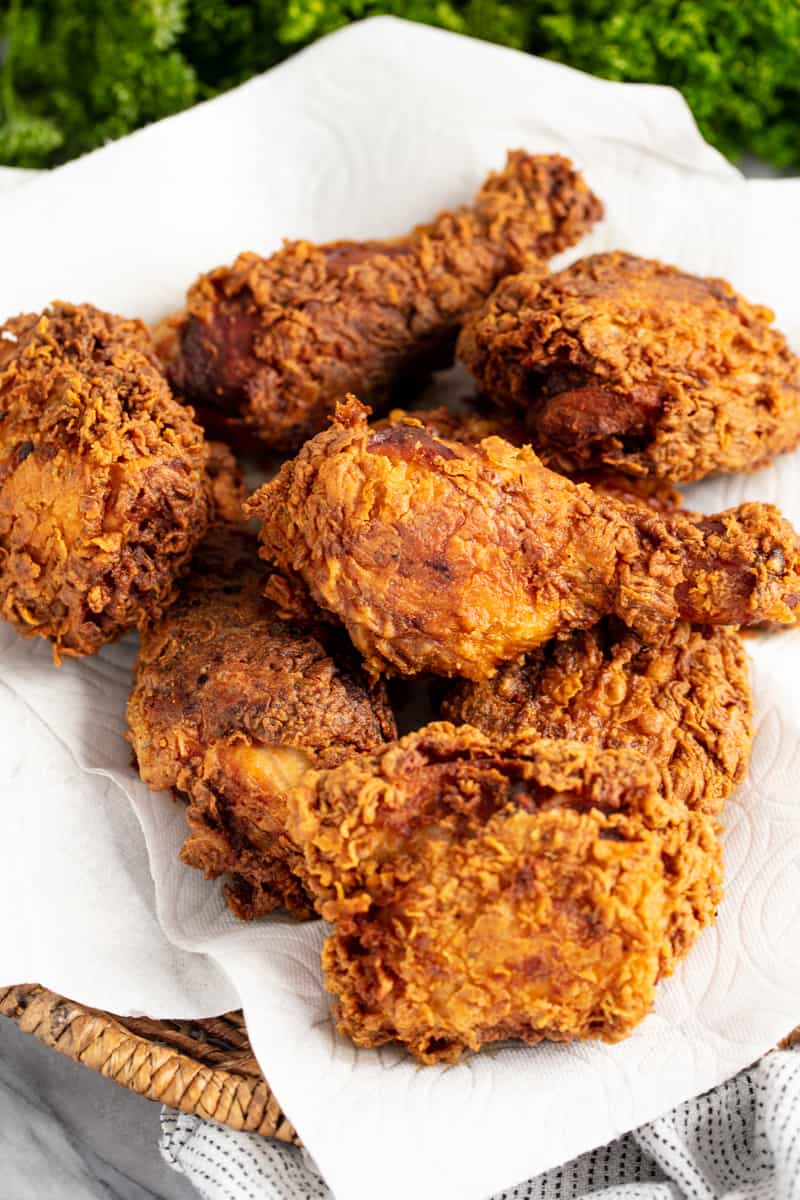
x=103 y=486
x=230 y=706
x=471 y=423
x=629 y=362
x=485 y=889
x=444 y=557
x=225 y=486
x=683 y=703
x=475 y=421
x=271 y=344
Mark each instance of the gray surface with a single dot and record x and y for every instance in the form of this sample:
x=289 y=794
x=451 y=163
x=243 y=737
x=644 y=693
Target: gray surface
x=67 y=1133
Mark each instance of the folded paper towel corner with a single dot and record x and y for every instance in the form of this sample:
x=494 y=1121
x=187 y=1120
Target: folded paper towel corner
x=363 y=134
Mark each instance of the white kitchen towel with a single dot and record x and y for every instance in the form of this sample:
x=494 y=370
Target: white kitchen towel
x=740 y=1141
x=364 y=134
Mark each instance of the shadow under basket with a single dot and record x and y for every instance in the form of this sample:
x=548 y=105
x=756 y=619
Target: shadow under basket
x=202 y=1067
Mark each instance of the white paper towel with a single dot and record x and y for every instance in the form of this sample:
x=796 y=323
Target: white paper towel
x=366 y=133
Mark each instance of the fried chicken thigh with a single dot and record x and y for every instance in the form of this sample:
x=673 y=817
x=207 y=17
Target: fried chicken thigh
x=230 y=706
x=628 y=362
x=103 y=484
x=683 y=703
x=272 y=344
x=485 y=889
x=444 y=557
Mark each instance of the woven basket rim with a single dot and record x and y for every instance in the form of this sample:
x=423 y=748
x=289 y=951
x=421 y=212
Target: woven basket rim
x=203 y=1067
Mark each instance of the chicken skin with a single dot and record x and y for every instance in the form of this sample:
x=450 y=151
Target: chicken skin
x=104 y=490
x=470 y=423
x=230 y=706
x=444 y=557
x=623 y=361
x=475 y=421
x=683 y=703
x=484 y=889
x=225 y=486
x=270 y=345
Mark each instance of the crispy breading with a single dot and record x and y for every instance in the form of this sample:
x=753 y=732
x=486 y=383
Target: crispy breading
x=225 y=485
x=103 y=490
x=475 y=420
x=166 y=338
x=485 y=889
x=272 y=344
x=683 y=703
x=625 y=361
x=230 y=706
x=470 y=423
x=451 y=558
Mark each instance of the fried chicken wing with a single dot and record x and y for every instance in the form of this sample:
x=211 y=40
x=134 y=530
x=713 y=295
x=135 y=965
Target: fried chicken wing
x=683 y=703
x=230 y=706
x=444 y=557
x=625 y=361
x=485 y=889
x=271 y=344
x=103 y=484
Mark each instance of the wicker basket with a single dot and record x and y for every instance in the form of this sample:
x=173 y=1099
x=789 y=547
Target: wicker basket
x=202 y=1067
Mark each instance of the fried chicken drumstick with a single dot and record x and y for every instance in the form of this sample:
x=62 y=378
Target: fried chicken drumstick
x=103 y=484
x=475 y=421
x=485 y=889
x=628 y=362
x=444 y=557
x=271 y=344
x=230 y=705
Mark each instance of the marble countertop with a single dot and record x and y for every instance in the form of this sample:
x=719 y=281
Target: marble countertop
x=67 y=1132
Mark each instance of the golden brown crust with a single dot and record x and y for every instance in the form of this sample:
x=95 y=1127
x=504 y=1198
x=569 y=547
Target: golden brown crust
x=485 y=889
x=625 y=361
x=452 y=558
x=225 y=485
x=476 y=420
x=272 y=344
x=471 y=423
x=166 y=338
x=102 y=478
x=683 y=703
x=229 y=705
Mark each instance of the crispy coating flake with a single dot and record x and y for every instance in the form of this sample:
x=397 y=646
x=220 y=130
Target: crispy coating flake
x=273 y=344
x=683 y=703
x=230 y=706
x=485 y=889
x=103 y=490
x=225 y=485
x=625 y=361
x=445 y=557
